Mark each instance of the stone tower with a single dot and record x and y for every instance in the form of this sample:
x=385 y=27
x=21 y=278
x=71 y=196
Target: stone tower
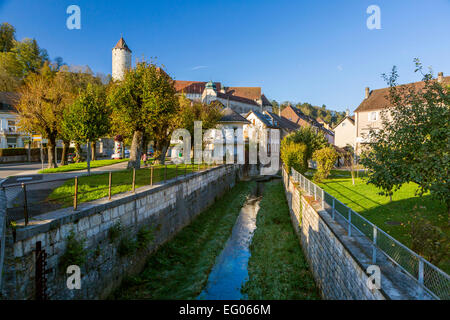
x=121 y=59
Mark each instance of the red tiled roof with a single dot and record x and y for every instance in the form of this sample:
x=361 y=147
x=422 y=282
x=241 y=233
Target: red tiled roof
x=192 y=86
x=236 y=98
x=121 y=44
x=8 y=100
x=252 y=93
x=377 y=98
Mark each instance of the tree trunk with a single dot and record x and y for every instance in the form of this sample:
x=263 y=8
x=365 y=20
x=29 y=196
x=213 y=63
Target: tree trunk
x=161 y=150
x=88 y=158
x=135 y=151
x=78 y=152
x=51 y=153
x=93 y=147
x=390 y=197
x=64 y=153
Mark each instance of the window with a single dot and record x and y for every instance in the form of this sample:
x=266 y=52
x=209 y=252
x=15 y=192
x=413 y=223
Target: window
x=11 y=142
x=373 y=116
x=11 y=126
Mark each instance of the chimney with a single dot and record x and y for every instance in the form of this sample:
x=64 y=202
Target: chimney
x=440 y=76
x=367 y=92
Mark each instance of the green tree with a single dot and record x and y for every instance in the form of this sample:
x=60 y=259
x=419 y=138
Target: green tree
x=144 y=103
x=413 y=143
x=88 y=117
x=325 y=158
x=30 y=57
x=43 y=99
x=309 y=136
x=7 y=37
x=293 y=155
x=189 y=112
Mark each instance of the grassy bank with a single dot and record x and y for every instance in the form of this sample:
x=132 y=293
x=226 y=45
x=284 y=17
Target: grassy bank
x=180 y=268
x=96 y=186
x=393 y=217
x=277 y=267
x=82 y=166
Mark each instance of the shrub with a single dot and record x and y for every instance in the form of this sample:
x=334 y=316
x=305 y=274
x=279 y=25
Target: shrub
x=13 y=152
x=127 y=246
x=114 y=232
x=325 y=158
x=74 y=254
x=293 y=155
x=428 y=240
x=144 y=236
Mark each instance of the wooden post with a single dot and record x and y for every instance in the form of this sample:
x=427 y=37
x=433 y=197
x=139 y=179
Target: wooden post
x=185 y=172
x=176 y=172
x=134 y=179
x=109 y=185
x=75 y=195
x=25 y=204
x=165 y=173
x=151 y=175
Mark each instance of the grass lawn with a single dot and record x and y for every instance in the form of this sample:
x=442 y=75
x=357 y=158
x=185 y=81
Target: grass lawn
x=96 y=186
x=277 y=267
x=82 y=166
x=180 y=267
x=392 y=217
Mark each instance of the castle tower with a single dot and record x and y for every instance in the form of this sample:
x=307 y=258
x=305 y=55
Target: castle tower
x=121 y=59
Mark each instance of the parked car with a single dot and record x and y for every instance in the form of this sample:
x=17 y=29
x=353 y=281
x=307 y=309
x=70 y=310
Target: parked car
x=70 y=157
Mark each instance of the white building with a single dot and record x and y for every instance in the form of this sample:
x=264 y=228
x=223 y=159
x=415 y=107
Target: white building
x=10 y=137
x=121 y=59
x=345 y=132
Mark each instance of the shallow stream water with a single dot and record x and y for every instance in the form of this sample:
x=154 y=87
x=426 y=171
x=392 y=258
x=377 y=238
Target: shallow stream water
x=230 y=270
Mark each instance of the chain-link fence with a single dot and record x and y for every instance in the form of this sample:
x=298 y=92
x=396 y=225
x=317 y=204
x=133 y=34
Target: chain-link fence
x=27 y=200
x=428 y=277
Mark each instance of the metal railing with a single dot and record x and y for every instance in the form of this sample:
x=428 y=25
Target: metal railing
x=428 y=277
x=29 y=199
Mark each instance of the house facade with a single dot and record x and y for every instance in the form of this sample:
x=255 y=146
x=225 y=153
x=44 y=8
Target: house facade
x=345 y=132
x=368 y=115
x=10 y=137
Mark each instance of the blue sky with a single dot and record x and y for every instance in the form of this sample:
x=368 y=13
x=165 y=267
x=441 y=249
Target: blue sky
x=309 y=51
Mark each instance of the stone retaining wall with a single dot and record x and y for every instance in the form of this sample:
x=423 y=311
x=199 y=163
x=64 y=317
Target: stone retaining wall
x=339 y=262
x=164 y=209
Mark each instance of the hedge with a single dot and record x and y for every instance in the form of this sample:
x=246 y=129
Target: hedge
x=34 y=152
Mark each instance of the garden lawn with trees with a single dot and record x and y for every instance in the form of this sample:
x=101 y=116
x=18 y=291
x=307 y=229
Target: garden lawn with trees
x=82 y=166
x=96 y=186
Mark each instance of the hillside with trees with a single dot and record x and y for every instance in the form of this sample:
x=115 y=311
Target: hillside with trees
x=329 y=116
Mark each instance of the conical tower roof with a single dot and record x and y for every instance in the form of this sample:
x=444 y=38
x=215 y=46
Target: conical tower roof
x=121 y=44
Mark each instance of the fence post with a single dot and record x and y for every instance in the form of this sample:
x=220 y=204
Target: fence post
x=75 y=195
x=333 y=209
x=176 y=172
x=349 y=222
x=25 y=204
x=185 y=172
x=315 y=192
x=420 y=278
x=109 y=185
x=134 y=180
x=374 y=250
x=165 y=173
x=151 y=175
x=323 y=199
